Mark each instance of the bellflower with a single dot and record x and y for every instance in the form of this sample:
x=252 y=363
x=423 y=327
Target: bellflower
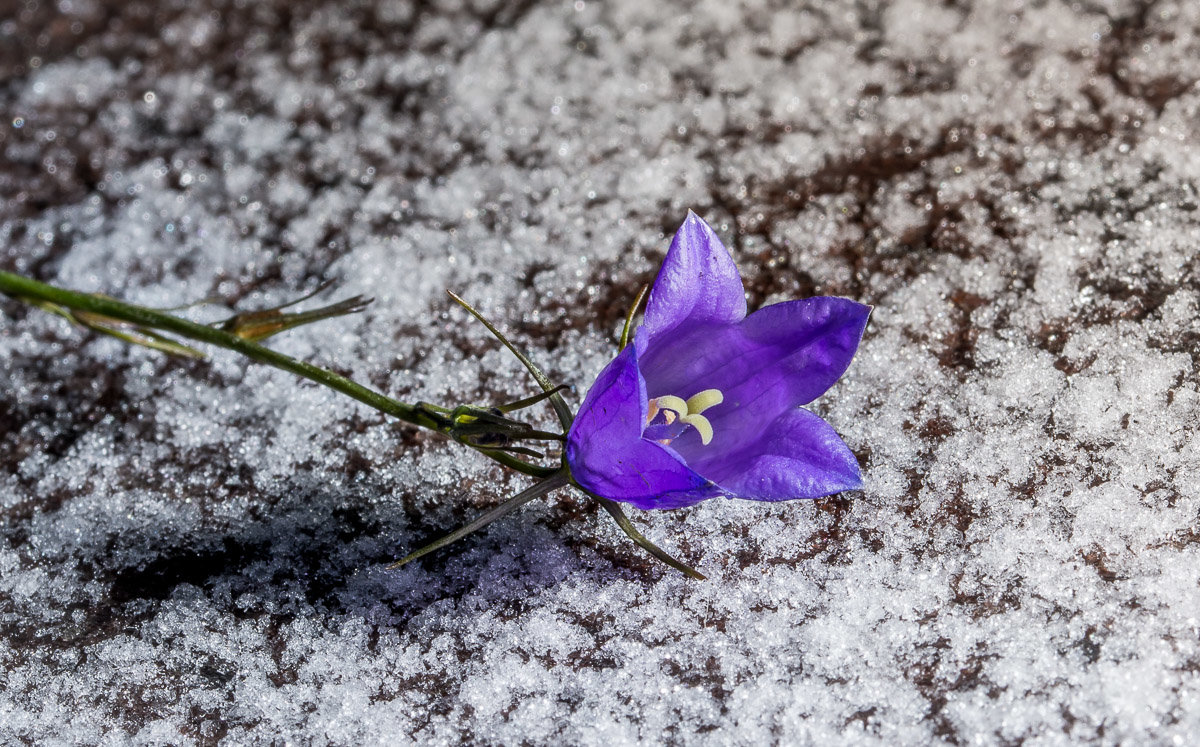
x=705 y=400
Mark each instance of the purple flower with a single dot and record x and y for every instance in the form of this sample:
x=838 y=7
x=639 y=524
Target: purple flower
x=705 y=401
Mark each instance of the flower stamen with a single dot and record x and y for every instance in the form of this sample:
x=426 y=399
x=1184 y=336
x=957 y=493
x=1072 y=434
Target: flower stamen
x=687 y=412
x=701 y=401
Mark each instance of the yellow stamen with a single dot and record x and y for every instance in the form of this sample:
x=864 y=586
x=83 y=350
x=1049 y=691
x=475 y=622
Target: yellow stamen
x=701 y=401
x=686 y=411
x=671 y=402
x=702 y=426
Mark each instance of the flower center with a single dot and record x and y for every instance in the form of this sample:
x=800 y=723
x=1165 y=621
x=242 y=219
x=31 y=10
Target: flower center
x=677 y=414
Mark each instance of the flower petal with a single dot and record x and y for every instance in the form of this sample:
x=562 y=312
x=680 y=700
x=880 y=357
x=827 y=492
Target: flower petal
x=798 y=455
x=607 y=454
x=779 y=357
x=698 y=283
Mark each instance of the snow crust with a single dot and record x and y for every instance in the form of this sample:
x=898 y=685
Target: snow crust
x=194 y=552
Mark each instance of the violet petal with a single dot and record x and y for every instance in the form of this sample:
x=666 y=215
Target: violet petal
x=607 y=453
x=798 y=455
x=698 y=283
x=779 y=357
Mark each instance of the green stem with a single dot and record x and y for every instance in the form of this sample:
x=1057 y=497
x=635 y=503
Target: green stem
x=21 y=287
x=17 y=285
x=553 y=482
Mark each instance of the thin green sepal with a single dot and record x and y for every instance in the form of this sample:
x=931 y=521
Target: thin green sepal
x=556 y=401
x=633 y=310
x=553 y=482
x=614 y=509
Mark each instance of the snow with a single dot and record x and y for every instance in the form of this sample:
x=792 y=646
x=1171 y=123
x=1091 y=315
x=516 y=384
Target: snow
x=196 y=552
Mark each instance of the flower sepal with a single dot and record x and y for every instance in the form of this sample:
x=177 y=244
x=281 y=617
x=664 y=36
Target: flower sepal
x=491 y=428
